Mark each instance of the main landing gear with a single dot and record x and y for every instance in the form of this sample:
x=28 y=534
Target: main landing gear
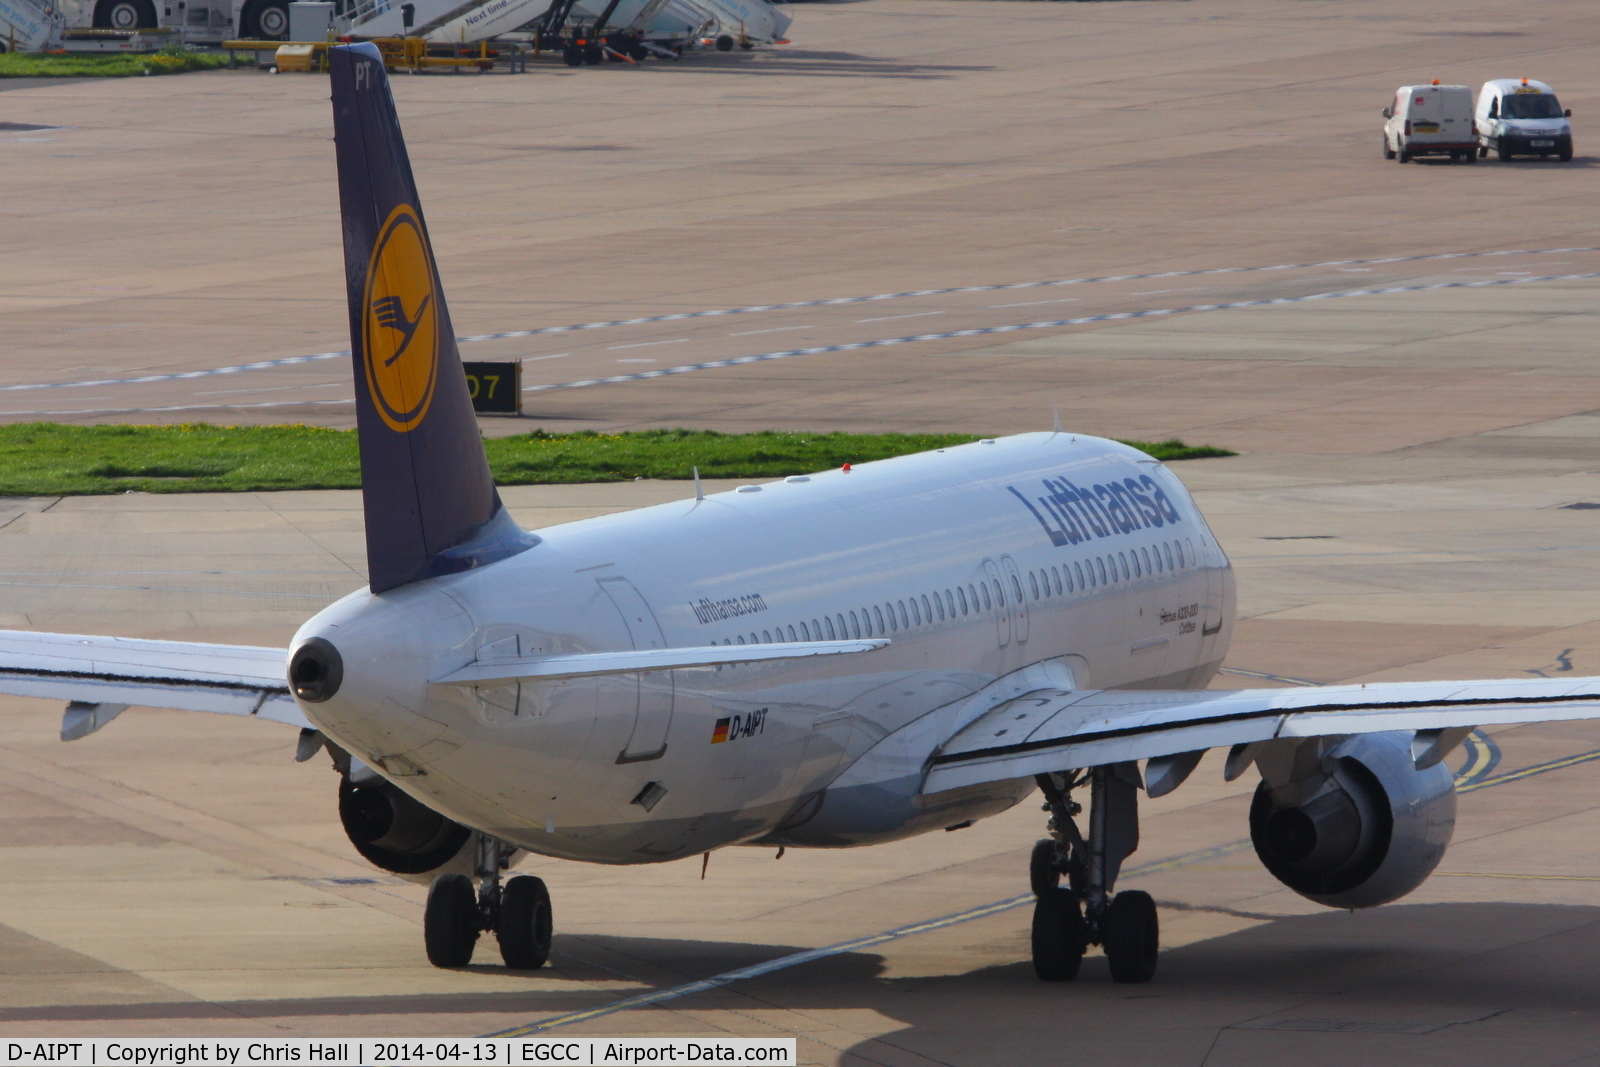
x=1069 y=918
x=518 y=913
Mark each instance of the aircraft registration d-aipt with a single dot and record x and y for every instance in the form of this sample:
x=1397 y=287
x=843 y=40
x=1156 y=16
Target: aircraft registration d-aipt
x=828 y=661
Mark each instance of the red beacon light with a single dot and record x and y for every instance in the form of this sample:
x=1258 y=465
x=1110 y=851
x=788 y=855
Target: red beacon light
x=1436 y=81
x=846 y=468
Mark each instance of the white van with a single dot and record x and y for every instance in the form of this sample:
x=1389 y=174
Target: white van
x=1523 y=118
x=1430 y=120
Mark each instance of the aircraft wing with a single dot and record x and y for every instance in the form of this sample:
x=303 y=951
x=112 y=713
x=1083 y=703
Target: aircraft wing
x=111 y=673
x=1053 y=730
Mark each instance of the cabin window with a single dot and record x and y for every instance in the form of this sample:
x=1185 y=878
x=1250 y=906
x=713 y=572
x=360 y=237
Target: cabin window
x=988 y=602
x=829 y=625
x=1166 y=550
x=1055 y=578
x=1100 y=570
x=961 y=594
x=916 y=612
x=1123 y=558
x=790 y=630
x=1016 y=588
x=766 y=638
x=855 y=627
x=805 y=633
x=1077 y=572
x=1138 y=572
x=950 y=603
x=939 y=603
x=905 y=620
x=1033 y=580
x=741 y=640
x=878 y=615
x=927 y=608
x=843 y=633
x=1194 y=560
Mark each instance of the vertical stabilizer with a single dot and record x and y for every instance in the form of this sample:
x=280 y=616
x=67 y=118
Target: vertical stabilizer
x=431 y=506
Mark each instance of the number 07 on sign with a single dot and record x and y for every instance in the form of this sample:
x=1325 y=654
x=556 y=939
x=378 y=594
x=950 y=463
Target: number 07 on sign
x=495 y=388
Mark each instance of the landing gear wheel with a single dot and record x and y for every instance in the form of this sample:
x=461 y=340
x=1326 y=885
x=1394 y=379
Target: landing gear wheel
x=450 y=921
x=572 y=56
x=724 y=43
x=1059 y=936
x=638 y=53
x=1131 y=934
x=1043 y=874
x=524 y=926
x=1388 y=153
x=593 y=55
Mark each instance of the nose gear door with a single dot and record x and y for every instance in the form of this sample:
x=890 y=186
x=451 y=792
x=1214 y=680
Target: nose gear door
x=653 y=688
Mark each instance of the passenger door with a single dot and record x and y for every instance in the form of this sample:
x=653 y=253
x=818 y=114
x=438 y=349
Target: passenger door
x=653 y=689
x=1014 y=587
x=1002 y=608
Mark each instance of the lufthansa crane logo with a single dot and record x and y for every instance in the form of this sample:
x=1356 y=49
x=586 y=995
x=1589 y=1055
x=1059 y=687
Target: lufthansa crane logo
x=401 y=322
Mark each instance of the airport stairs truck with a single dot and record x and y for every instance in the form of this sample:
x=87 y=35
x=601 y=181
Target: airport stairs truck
x=29 y=25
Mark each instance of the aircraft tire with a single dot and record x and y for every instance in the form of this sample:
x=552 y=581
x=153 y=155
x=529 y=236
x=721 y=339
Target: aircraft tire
x=1059 y=936
x=524 y=926
x=1043 y=875
x=1131 y=934
x=572 y=56
x=450 y=921
x=724 y=43
x=594 y=55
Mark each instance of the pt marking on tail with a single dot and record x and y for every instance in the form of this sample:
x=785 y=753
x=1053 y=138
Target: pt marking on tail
x=401 y=351
x=392 y=313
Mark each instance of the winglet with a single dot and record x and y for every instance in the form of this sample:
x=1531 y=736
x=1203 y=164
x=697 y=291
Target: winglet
x=431 y=505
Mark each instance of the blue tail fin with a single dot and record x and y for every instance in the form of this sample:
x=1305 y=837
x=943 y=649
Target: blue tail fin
x=431 y=506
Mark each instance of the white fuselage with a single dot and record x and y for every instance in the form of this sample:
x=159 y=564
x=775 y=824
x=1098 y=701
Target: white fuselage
x=1121 y=586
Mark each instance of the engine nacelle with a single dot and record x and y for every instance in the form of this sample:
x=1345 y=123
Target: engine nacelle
x=1350 y=822
x=394 y=831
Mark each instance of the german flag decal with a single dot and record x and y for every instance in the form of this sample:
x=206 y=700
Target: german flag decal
x=719 y=732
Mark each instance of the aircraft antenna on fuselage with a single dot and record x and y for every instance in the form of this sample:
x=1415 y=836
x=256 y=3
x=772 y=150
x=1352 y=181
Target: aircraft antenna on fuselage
x=430 y=501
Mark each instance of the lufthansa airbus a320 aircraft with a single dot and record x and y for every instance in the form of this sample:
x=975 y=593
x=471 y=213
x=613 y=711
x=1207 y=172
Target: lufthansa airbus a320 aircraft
x=827 y=661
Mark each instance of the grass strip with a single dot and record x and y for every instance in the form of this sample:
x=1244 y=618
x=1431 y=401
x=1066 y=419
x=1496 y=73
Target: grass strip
x=169 y=60
x=51 y=459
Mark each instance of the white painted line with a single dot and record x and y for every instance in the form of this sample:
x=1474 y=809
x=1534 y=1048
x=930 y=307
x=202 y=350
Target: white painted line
x=775 y=329
x=1036 y=303
x=913 y=315
x=1117 y=316
x=637 y=359
x=535 y=359
x=837 y=301
x=647 y=344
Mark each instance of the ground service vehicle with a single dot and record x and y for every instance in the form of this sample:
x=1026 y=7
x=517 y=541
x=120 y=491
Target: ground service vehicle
x=1521 y=117
x=1430 y=120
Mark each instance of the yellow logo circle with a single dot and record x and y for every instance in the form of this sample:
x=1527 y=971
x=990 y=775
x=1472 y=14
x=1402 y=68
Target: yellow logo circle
x=401 y=322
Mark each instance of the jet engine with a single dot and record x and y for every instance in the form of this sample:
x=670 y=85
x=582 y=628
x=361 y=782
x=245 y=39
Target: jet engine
x=394 y=831
x=1350 y=822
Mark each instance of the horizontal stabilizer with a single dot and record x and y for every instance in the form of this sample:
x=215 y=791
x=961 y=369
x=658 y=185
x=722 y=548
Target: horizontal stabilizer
x=1055 y=730
x=184 y=676
x=590 y=664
